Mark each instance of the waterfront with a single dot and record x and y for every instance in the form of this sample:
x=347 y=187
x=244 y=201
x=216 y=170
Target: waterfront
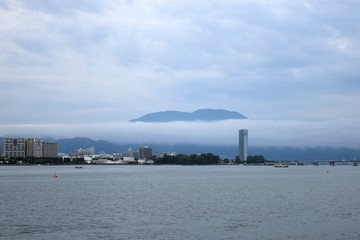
x=179 y=202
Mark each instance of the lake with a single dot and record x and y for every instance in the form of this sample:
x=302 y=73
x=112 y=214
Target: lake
x=179 y=202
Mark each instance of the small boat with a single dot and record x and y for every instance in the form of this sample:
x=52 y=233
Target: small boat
x=78 y=166
x=281 y=165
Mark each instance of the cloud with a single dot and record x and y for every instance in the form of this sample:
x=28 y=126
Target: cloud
x=71 y=63
x=339 y=133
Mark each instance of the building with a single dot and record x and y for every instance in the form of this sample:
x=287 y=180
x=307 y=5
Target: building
x=145 y=152
x=14 y=147
x=29 y=147
x=131 y=153
x=49 y=150
x=243 y=144
x=86 y=151
x=34 y=147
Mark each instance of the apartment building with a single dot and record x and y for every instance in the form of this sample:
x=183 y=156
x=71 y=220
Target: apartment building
x=29 y=147
x=34 y=147
x=49 y=150
x=145 y=152
x=14 y=147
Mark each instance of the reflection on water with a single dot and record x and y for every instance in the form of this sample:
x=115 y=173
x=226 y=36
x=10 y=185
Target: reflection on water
x=179 y=202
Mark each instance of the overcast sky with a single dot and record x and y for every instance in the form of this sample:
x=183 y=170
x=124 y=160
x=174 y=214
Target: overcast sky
x=84 y=68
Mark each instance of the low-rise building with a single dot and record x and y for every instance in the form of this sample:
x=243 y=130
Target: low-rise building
x=129 y=160
x=85 y=151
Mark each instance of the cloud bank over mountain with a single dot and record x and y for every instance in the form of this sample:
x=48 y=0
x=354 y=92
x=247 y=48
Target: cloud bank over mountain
x=338 y=133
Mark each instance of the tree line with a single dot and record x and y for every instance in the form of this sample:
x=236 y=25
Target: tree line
x=179 y=159
x=256 y=159
x=193 y=159
x=40 y=160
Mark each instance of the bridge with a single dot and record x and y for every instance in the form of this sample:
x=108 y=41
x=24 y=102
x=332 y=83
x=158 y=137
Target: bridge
x=333 y=162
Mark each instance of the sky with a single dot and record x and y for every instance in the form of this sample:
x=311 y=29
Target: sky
x=85 y=68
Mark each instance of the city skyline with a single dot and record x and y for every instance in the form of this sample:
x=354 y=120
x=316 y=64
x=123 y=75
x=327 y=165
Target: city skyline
x=75 y=68
x=86 y=146
x=29 y=147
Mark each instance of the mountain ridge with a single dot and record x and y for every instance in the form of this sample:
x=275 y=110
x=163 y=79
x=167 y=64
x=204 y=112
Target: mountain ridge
x=306 y=154
x=198 y=115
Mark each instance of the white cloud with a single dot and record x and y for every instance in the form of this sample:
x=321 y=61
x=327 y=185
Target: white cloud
x=339 y=133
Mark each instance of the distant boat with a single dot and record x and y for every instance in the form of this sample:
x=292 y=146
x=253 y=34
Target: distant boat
x=281 y=165
x=78 y=166
x=55 y=176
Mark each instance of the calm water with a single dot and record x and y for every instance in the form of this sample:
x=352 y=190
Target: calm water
x=178 y=202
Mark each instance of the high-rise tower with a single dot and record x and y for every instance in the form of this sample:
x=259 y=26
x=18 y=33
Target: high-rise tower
x=243 y=144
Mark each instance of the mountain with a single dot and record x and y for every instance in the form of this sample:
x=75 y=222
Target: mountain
x=230 y=151
x=199 y=115
x=70 y=145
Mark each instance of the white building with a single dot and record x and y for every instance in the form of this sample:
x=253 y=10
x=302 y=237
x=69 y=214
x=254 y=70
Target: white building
x=129 y=160
x=86 y=151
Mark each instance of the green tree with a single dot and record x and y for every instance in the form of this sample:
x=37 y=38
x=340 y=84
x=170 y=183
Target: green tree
x=257 y=159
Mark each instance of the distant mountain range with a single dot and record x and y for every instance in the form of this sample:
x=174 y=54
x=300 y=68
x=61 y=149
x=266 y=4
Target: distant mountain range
x=230 y=151
x=199 y=115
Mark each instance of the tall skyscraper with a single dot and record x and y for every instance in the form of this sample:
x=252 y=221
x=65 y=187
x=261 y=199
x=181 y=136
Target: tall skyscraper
x=243 y=144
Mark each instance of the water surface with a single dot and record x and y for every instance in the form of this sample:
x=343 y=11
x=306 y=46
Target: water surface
x=179 y=202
